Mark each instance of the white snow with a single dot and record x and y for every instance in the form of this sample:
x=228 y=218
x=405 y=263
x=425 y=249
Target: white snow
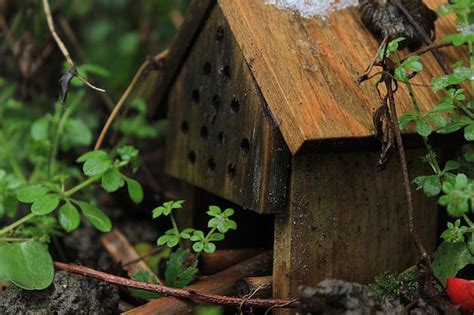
x=313 y=8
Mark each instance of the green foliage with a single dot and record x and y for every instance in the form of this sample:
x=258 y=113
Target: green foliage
x=27 y=264
x=180 y=273
x=453 y=113
x=389 y=284
x=145 y=276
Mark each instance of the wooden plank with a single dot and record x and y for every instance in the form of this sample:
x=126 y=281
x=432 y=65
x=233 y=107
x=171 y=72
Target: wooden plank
x=196 y=16
x=221 y=283
x=347 y=221
x=123 y=252
x=220 y=138
x=307 y=68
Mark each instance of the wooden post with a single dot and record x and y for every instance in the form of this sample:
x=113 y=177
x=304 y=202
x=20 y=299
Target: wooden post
x=348 y=221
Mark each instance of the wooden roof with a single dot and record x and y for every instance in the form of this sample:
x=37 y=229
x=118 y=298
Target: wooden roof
x=306 y=68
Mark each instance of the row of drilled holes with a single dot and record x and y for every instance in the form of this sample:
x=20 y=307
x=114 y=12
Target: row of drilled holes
x=216 y=101
x=211 y=164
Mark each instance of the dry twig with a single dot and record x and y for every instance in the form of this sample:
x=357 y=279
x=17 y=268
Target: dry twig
x=62 y=47
x=143 y=68
x=178 y=293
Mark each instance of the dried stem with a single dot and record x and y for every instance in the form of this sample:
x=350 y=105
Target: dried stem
x=179 y=293
x=62 y=47
x=402 y=156
x=145 y=65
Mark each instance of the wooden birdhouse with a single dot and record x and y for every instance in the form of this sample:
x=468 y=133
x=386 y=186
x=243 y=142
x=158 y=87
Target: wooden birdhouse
x=264 y=111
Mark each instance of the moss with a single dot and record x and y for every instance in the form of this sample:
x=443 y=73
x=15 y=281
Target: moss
x=389 y=284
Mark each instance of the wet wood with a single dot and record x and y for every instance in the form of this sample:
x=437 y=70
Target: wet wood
x=307 y=69
x=260 y=287
x=220 y=283
x=348 y=221
x=221 y=138
x=121 y=251
x=224 y=258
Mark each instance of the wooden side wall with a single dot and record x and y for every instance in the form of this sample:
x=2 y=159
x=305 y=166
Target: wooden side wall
x=221 y=139
x=348 y=221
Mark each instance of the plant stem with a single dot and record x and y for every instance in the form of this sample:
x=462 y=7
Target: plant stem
x=13 y=163
x=17 y=223
x=59 y=131
x=82 y=185
x=175 y=228
x=471 y=49
x=468 y=221
x=13 y=239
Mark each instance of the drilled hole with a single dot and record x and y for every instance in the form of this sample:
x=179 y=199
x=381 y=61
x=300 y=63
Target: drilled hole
x=245 y=146
x=226 y=72
x=211 y=164
x=216 y=101
x=195 y=96
x=220 y=33
x=234 y=104
x=207 y=68
x=204 y=132
x=184 y=127
x=221 y=138
x=192 y=157
x=231 y=170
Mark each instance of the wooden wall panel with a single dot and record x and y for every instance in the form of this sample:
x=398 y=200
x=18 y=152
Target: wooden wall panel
x=347 y=221
x=220 y=137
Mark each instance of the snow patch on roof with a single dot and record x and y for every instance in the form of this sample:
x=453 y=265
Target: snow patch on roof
x=313 y=8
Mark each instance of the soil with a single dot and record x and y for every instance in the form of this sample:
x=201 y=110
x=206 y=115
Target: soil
x=69 y=294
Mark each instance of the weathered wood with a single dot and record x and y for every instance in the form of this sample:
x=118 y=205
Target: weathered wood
x=307 y=68
x=260 y=287
x=220 y=139
x=221 y=283
x=222 y=259
x=196 y=16
x=347 y=221
x=123 y=252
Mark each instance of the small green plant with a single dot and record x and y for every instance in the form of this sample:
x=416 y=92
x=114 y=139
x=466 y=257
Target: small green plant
x=180 y=271
x=452 y=183
x=50 y=194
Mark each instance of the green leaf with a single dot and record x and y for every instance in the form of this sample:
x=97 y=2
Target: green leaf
x=112 y=180
x=78 y=132
x=162 y=240
x=172 y=241
x=400 y=74
x=197 y=236
x=469 y=132
x=45 y=205
x=392 y=47
x=198 y=247
x=228 y=212
x=186 y=233
x=209 y=248
x=405 y=119
x=449 y=259
x=158 y=211
x=231 y=225
x=28 y=264
x=444 y=106
x=413 y=64
x=69 y=218
x=451 y=166
x=214 y=211
x=97 y=165
x=40 y=129
x=96 y=217
x=29 y=194
x=92 y=154
x=178 y=274
x=469 y=156
x=135 y=190
x=453 y=127
x=216 y=237
x=440 y=83
x=423 y=129
x=431 y=185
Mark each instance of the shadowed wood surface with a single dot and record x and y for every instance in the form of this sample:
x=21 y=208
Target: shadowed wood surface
x=348 y=221
x=307 y=68
x=220 y=137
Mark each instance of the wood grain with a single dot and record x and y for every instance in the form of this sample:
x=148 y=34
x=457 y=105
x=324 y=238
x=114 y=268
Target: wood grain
x=220 y=137
x=348 y=221
x=307 y=68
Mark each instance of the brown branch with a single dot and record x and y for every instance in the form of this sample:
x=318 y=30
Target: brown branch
x=144 y=67
x=62 y=47
x=178 y=293
x=403 y=161
x=426 y=49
